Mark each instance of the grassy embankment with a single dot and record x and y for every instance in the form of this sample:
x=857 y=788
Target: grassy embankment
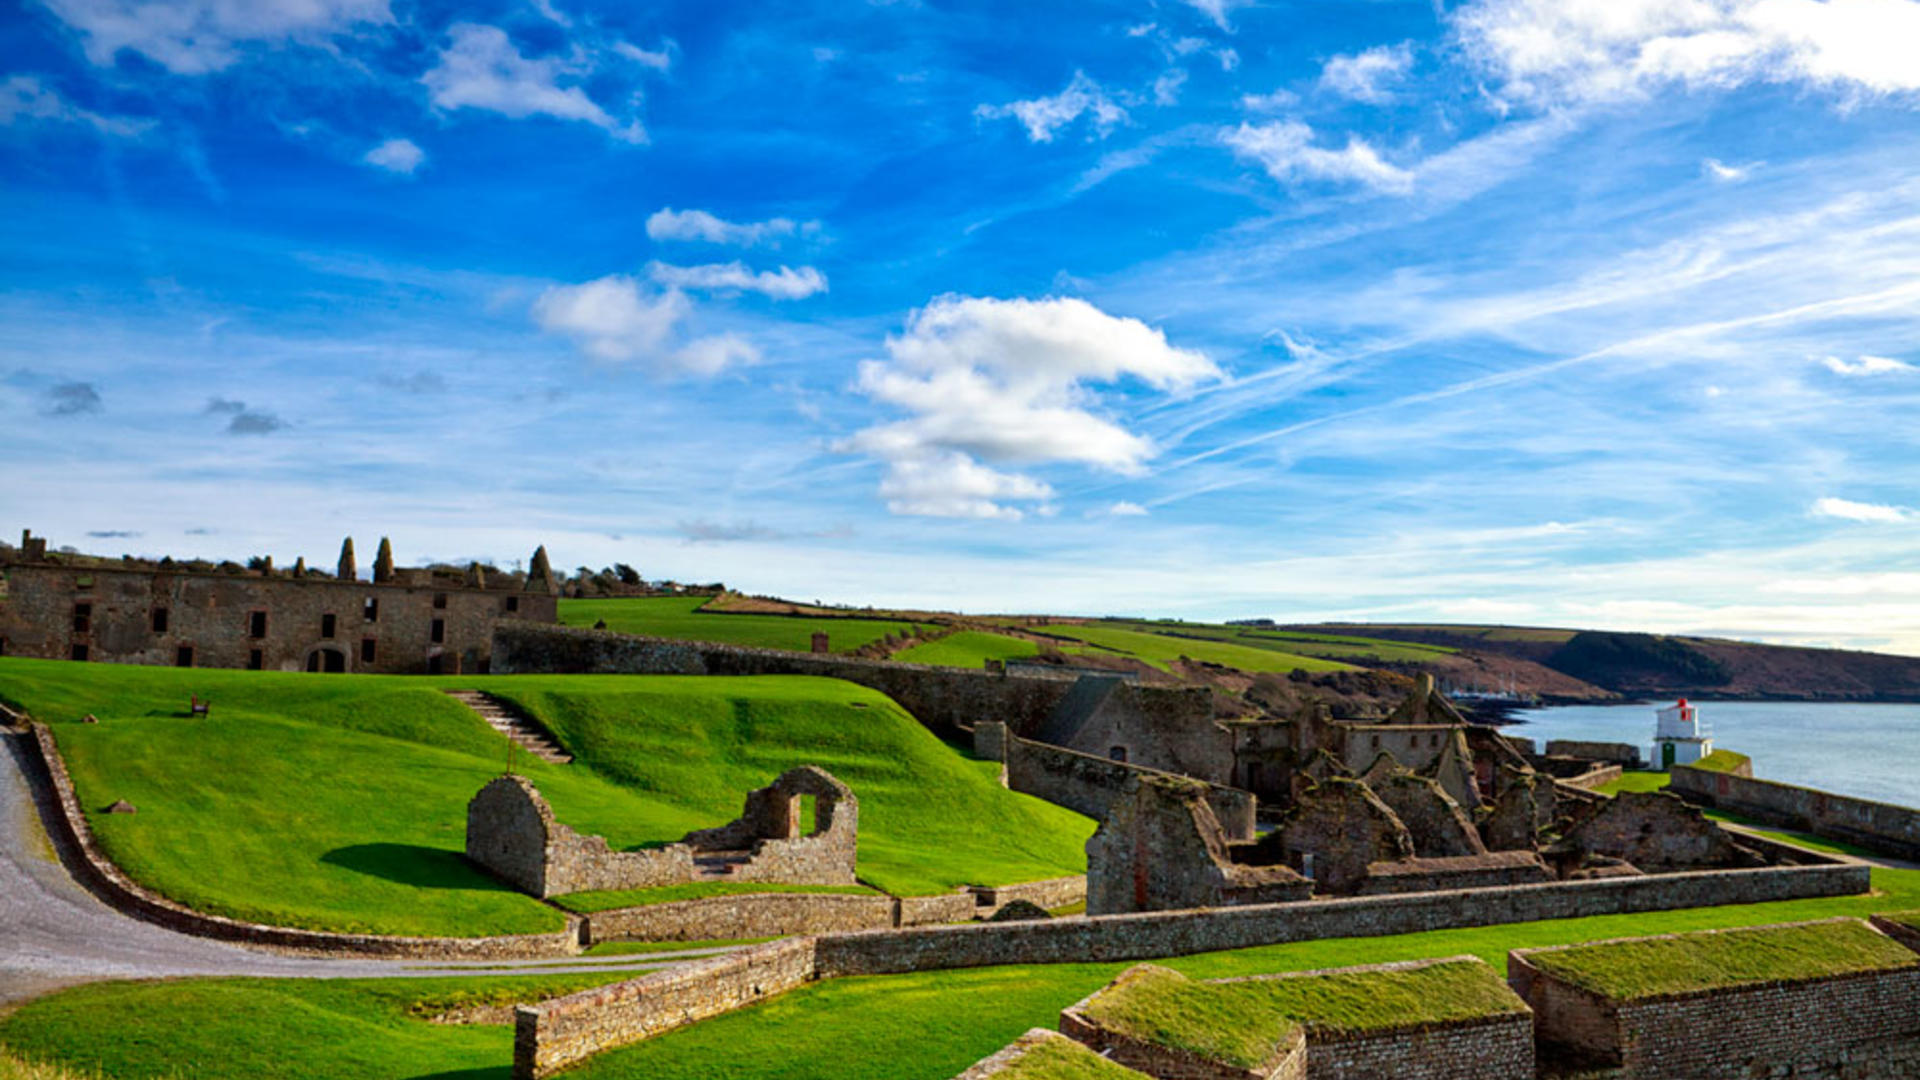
x=1160 y=649
x=1628 y=971
x=1348 y=647
x=925 y=1026
x=969 y=649
x=679 y=617
x=338 y=802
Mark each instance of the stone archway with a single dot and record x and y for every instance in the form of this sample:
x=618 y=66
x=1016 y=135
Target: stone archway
x=327 y=658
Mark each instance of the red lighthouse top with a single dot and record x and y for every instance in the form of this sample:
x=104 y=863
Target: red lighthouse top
x=1683 y=703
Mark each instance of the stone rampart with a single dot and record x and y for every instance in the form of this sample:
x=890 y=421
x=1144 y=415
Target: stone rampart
x=748 y=915
x=1876 y=826
x=68 y=824
x=555 y=1034
x=1861 y=1026
x=1090 y=785
x=1049 y=894
x=944 y=699
x=1623 y=754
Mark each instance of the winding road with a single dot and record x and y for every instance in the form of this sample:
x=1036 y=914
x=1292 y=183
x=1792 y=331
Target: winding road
x=54 y=933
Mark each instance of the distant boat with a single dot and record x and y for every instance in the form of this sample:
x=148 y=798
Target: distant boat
x=1680 y=737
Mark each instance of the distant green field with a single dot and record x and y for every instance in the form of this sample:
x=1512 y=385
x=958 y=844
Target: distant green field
x=338 y=802
x=1159 y=649
x=678 y=617
x=924 y=1026
x=1327 y=646
x=969 y=649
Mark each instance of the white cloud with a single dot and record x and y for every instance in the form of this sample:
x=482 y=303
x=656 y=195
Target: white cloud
x=1723 y=172
x=620 y=320
x=396 y=156
x=24 y=98
x=1368 y=76
x=1867 y=366
x=1846 y=510
x=1549 y=52
x=1274 y=102
x=1217 y=10
x=1285 y=150
x=712 y=355
x=1005 y=381
x=1229 y=59
x=1124 y=508
x=659 y=59
x=482 y=69
x=193 y=37
x=1046 y=115
x=782 y=284
x=671 y=224
x=1166 y=88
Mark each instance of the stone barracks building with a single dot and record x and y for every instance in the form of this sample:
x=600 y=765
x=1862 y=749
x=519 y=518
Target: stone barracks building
x=58 y=606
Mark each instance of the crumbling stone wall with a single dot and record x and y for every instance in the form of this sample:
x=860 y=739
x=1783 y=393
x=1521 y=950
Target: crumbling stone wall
x=1626 y=755
x=1345 y=827
x=1090 y=785
x=1439 y=826
x=1171 y=729
x=1879 y=827
x=1457 y=872
x=1161 y=848
x=1521 y=812
x=512 y=832
x=1657 y=831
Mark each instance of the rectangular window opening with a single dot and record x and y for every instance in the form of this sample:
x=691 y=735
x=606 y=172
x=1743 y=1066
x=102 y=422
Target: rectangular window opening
x=513 y=603
x=159 y=620
x=256 y=660
x=82 y=618
x=183 y=656
x=257 y=624
x=439 y=631
x=326 y=625
x=440 y=600
x=372 y=609
x=367 y=650
x=79 y=652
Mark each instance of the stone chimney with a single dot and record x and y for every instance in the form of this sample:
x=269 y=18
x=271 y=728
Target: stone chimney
x=349 y=570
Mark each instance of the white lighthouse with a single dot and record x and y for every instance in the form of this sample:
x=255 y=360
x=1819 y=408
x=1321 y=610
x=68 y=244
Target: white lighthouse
x=1679 y=735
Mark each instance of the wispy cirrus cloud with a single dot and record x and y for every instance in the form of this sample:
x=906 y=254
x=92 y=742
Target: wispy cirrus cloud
x=785 y=283
x=195 y=37
x=1872 y=513
x=1286 y=150
x=481 y=68
x=670 y=224
x=1867 y=367
x=1044 y=117
x=1368 y=76
x=28 y=99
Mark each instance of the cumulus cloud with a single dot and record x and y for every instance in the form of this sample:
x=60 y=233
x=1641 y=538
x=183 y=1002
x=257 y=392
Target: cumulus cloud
x=1005 y=381
x=396 y=156
x=620 y=320
x=193 y=37
x=25 y=99
x=1286 y=151
x=1847 y=510
x=1867 y=366
x=1549 y=52
x=73 y=399
x=671 y=224
x=1044 y=116
x=1368 y=76
x=481 y=68
x=785 y=283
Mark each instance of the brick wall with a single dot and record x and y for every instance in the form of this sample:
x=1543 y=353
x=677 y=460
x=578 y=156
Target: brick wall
x=945 y=699
x=554 y=1034
x=1881 y=827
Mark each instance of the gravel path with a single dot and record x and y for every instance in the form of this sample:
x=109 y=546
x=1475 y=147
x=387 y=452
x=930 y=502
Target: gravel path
x=54 y=933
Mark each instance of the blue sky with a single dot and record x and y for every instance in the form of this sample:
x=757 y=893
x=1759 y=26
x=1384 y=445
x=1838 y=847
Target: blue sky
x=1574 y=312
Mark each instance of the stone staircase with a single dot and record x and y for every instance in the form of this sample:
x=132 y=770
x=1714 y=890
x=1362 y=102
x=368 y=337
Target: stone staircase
x=514 y=724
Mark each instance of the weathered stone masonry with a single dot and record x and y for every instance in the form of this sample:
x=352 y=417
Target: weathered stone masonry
x=1881 y=827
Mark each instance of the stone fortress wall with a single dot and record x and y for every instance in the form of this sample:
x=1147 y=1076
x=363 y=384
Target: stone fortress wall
x=407 y=623
x=1876 y=826
x=1091 y=785
x=511 y=831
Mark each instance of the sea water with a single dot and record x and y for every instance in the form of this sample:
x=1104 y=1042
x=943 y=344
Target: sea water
x=1867 y=751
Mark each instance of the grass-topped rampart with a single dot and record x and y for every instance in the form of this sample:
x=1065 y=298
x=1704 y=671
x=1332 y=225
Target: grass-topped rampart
x=1060 y=1059
x=1724 y=761
x=338 y=802
x=1685 y=963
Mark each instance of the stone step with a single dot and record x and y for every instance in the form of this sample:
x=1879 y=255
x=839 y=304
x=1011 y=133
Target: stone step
x=509 y=722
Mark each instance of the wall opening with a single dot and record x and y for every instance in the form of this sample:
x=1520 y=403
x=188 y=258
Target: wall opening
x=1117 y=753
x=327 y=625
x=257 y=624
x=434 y=664
x=371 y=609
x=440 y=600
x=79 y=651
x=82 y=618
x=439 y=631
x=332 y=661
x=160 y=620
x=256 y=660
x=367 y=648
x=513 y=603
x=183 y=656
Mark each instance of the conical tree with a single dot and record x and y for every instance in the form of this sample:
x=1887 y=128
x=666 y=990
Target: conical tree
x=540 y=573
x=348 y=568
x=383 y=561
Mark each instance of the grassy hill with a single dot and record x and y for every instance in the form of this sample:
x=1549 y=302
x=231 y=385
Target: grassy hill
x=1159 y=648
x=969 y=649
x=338 y=802
x=680 y=617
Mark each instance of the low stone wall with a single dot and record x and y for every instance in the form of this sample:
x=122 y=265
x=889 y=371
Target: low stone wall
x=1863 y=1026
x=749 y=915
x=1458 y=872
x=1089 y=784
x=1618 y=753
x=1050 y=894
x=1178 y=933
x=554 y=1034
x=1876 y=826
x=1492 y=1048
x=945 y=699
x=1597 y=777
x=94 y=869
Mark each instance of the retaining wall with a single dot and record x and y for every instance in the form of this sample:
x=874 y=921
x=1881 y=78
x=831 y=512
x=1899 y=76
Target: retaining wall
x=1876 y=826
x=1050 y=894
x=750 y=915
x=945 y=699
x=92 y=866
x=1089 y=784
x=1618 y=753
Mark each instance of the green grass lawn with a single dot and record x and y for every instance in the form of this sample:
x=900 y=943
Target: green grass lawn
x=586 y=903
x=1159 y=649
x=969 y=649
x=1059 y=1060
x=1632 y=970
x=1222 y=1023
x=1722 y=761
x=679 y=617
x=1634 y=780
x=338 y=802
x=925 y=1026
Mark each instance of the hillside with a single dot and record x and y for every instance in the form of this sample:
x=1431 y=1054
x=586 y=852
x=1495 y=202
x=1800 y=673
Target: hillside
x=1649 y=665
x=338 y=802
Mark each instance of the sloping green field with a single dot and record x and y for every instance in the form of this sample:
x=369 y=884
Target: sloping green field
x=969 y=649
x=679 y=617
x=338 y=802
x=1159 y=649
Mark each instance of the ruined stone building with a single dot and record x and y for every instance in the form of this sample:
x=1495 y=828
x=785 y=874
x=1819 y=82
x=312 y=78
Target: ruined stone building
x=55 y=606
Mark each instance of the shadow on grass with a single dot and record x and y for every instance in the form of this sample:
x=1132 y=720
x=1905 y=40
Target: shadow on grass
x=495 y=1072
x=412 y=864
